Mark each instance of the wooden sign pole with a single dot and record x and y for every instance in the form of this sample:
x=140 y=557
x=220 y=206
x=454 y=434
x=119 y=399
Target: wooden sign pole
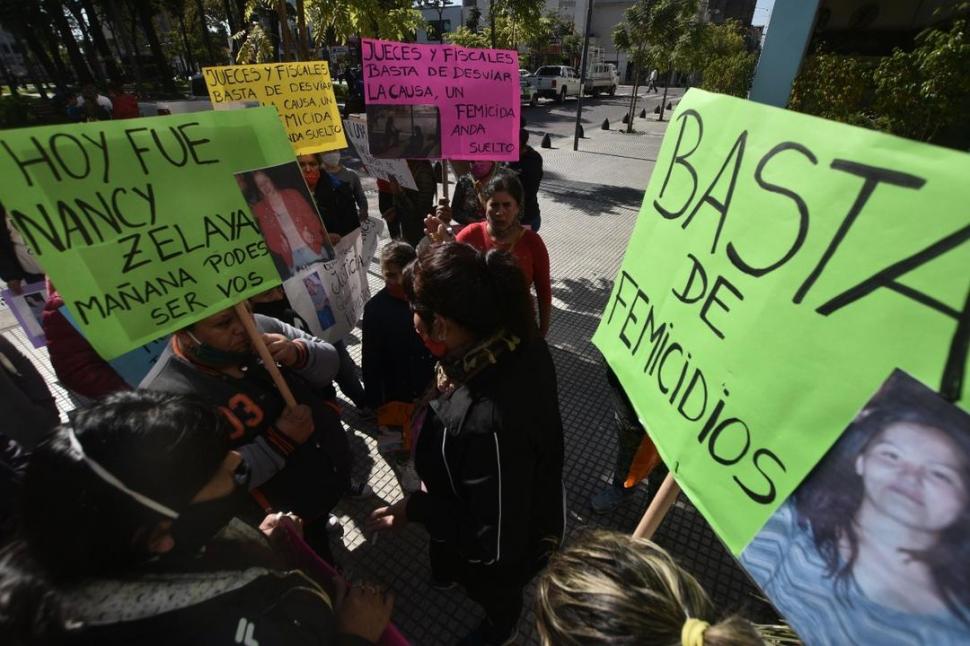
x=268 y=362
x=444 y=178
x=659 y=506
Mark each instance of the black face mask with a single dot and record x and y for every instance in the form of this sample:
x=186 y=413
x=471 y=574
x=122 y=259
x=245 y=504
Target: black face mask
x=199 y=522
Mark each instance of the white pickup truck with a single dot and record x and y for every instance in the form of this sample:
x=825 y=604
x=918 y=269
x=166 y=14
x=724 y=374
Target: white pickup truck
x=557 y=82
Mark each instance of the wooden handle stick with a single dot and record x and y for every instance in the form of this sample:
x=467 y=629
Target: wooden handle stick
x=659 y=506
x=444 y=178
x=268 y=362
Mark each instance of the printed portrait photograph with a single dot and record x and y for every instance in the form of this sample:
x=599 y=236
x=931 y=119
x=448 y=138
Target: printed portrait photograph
x=404 y=131
x=282 y=205
x=874 y=546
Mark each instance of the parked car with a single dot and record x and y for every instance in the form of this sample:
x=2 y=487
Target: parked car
x=557 y=82
x=602 y=77
x=530 y=90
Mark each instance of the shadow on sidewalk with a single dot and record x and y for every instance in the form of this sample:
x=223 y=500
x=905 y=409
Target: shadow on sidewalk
x=592 y=199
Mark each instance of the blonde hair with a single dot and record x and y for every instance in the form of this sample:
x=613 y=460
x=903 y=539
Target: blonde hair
x=610 y=588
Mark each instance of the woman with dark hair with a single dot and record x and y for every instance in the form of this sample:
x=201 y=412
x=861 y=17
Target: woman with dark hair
x=503 y=230
x=489 y=445
x=873 y=546
x=127 y=536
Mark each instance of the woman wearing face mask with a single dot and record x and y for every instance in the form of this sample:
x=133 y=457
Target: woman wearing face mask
x=467 y=203
x=503 y=230
x=291 y=227
x=340 y=196
x=299 y=457
x=489 y=445
x=127 y=537
x=396 y=365
x=340 y=217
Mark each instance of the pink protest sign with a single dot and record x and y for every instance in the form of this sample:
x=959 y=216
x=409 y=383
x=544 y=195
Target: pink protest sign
x=441 y=101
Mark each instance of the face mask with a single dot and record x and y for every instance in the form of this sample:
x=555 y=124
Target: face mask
x=312 y=177
x=481 y=169
x=331 y=159
x=200 y=521
x=396 y=290
x=436 y=348
x=214 y=357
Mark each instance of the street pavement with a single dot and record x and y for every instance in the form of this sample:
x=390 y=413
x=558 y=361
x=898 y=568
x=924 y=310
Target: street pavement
x=589 y=201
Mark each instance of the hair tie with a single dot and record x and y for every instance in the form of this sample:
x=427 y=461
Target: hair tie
x=692 y=634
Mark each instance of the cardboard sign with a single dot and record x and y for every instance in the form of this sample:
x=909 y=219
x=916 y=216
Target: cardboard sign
x=475 y=92
x=28 y=309
x=330 y=296
x=385 y=169
x=302 y=93
x=132 y=366
x=140 y=223
x=780 y=268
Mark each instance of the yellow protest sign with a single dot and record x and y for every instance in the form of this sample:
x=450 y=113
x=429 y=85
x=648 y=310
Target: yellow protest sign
x=301 y=92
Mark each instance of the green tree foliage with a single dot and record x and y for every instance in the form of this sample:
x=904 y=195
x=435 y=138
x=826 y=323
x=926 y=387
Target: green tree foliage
x=720 y=53
x=833 y=87
x=467 y=38
x=922 y=94
x=654 y=33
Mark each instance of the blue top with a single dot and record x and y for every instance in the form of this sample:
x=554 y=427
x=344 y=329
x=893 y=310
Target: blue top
x=785 y=563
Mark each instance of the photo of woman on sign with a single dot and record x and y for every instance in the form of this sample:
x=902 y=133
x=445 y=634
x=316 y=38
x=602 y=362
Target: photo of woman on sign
x=284 y=210
x=873 y=547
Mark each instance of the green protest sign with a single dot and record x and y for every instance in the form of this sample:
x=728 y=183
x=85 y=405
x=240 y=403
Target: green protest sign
x=140 y=223
x=781 y=267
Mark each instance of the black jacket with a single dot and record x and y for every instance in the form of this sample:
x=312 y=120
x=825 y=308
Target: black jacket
x=529 y=170
x=395 y=364
x=491 y=456
x=247 y=604
x=337 y=206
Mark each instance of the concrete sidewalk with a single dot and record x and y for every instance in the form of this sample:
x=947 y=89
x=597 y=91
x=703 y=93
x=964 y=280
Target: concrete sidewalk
x=589 y=201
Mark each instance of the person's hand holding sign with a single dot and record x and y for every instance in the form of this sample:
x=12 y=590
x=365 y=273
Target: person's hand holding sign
x=443 y=211
x=436 y=226
x=296 y=423
x=284 y=350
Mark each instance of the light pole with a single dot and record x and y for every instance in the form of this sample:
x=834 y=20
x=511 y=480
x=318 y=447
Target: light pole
x=582 y=74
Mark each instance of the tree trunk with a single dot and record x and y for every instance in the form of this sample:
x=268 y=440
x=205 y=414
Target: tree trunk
x=233 y=28
x=491 y=19
x=148 y=27
x=288 y=49
x=97 y=35
x=89 y=50
x=206 y=36
x=32 y=73
x=302 y=36
x=9 y=78
x=128 y=32
x=49 y=42
x=663 y=102
x=43 y=59
x=189 y=60
x=55 y=12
